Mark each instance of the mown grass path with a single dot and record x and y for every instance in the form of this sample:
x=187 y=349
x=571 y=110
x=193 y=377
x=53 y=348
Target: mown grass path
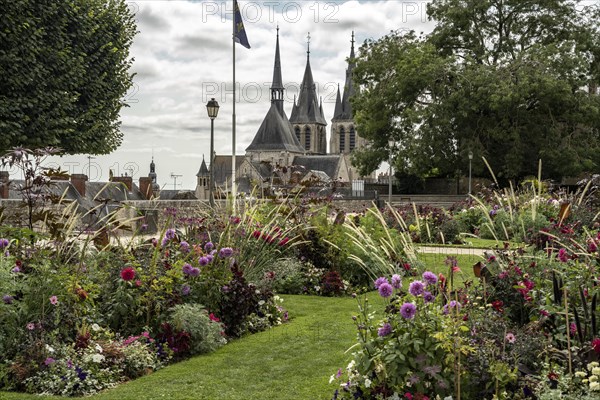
x=291 y=361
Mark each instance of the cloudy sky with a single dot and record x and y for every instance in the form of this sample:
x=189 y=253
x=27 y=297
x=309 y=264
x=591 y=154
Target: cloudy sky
x=183 y=57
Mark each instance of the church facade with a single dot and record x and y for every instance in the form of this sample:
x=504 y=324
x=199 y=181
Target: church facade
x=286 y=152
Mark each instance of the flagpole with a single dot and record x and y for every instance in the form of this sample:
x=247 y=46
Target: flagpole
x=233 y=186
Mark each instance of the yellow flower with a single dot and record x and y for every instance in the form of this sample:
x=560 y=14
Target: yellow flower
x=580 y=374
x=596 y=370
x=594 y=386
x=593 y=378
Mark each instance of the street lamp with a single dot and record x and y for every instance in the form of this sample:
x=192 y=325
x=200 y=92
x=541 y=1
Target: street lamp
x=391 y=145
x=212 y=107
x=470 y=161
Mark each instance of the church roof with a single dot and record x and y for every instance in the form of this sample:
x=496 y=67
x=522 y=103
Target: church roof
x=345 y=110
x=307 y=109
x=203 y=169
x=275 y=133
x=329 y=164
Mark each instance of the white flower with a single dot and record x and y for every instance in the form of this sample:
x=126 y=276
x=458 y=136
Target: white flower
x=594 y=386
x=98 y=348
x=580 y=374
x=368 y=383
x=351 y=365
x=331 y=378
x=49 y=348
x=95 y=327
x=596 y=370
x=97 y=358
x=593 y=378
x=261 y=302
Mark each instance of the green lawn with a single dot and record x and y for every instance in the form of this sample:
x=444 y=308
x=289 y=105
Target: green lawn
x=292 y=361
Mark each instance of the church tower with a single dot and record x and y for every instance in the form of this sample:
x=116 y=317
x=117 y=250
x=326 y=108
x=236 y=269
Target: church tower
x=344 y=138
x=275 y=135
x=307 y=114
x=203 y=182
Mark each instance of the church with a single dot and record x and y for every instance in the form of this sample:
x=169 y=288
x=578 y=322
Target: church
x=289 y=152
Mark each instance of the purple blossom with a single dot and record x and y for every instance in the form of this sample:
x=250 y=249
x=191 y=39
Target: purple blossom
x=209 y=257
x=170 y=233
x=226 y=252
x=185 y=290
x=385 y=330
x=4 y=243
x=452 y=304
x=430 y=277
x=49 y=361
x=416 y=288
x=184 y=247
x=203 y=261
x=195 y=272
x=54 y=300
x=187 y=269
x=431 y=370
x=428 y=297
x=379 y=281
x=209 y=246
x=562 y=255
x=396 y=281
x=8 y=299
x=408 y=310
x=385 y=290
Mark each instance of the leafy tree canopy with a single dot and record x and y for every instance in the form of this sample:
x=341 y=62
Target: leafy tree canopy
x=513 y=81
x=64 y=71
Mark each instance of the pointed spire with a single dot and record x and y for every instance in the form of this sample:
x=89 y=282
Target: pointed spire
x=352 y=48
x=338 y=104
x=203 y=168
x=277 y=82
x=308 y=45
x=346 y=111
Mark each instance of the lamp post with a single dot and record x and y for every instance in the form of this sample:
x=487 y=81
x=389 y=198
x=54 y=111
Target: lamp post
x=212 y=107
x=470 y=161
x=391 y=144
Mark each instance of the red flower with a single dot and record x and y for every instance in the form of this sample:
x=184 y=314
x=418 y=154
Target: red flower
x=497 y=304
x=553 y=376
x=213 y=318
x=127 y=274
x=256 y=234
x=138 y=283
x=596 y=345
x=284 y=241
x=82 y=294
x=408 y=396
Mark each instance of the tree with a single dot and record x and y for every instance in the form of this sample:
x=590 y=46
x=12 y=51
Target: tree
x=510 y=80
x=64 y=71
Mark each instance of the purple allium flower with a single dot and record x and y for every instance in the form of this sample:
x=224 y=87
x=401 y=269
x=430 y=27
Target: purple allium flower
x=170 y=234
x=185 y=290
x=396 y=281
x=428 y=297
x=430 y=277
x=416 y=288
x=16 y=270
x=385 y=290
x=195 y=272
x=385 y=330
x=184 y=247
x=209 y=257
x=203 y=261
x=226 y=252
x=209 y=246
x=69 y=364
x=49 y=361
x=53 y=300
x=8 y=299
x=3 y=243
x=408 y=310
x=187 y=269
x=379 y=281
x=450 y=305
x=30 y=326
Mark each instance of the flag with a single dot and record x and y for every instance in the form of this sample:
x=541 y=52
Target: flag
x=239 y=31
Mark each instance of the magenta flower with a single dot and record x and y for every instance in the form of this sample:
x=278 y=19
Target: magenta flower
x=385 y=290
x=53 y=300
x=396 y=281
x=127 y=274
x=49 y=361
x=416 y=288
x=385 y=330
x=430 y=277
x=379 y=281
x=562 y=255
x=408 y=310
x=30 y=326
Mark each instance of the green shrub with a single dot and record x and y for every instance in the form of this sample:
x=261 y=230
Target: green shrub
x=206 y=334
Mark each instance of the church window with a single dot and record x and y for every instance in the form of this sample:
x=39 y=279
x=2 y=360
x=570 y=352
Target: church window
x=297 y=131
x=342 y=139
x=307 y=138
x=352 y=138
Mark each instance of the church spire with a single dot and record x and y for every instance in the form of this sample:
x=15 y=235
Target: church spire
x=346 y=113
x=277 y=83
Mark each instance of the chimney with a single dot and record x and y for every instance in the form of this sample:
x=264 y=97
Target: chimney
x=4 y=175
x=146 y=187
x=78 y=181
x=126 y=180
